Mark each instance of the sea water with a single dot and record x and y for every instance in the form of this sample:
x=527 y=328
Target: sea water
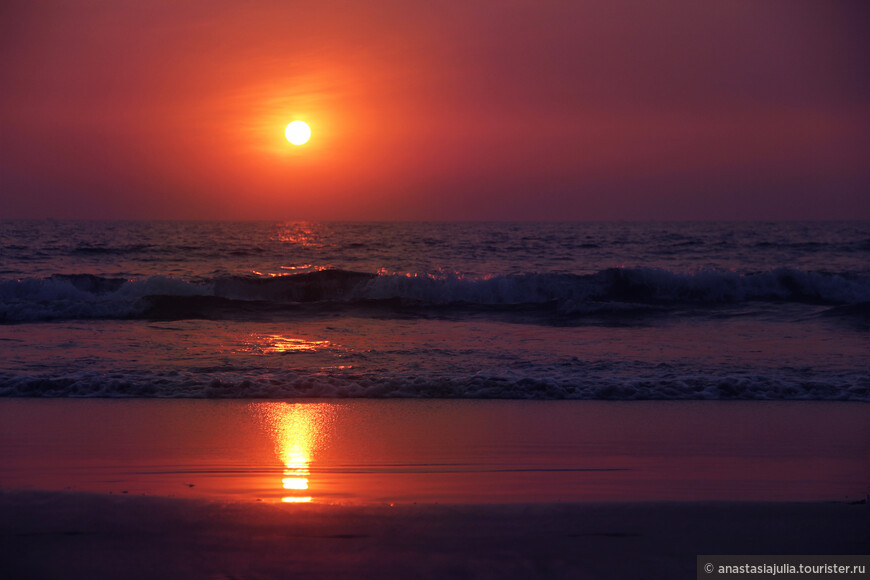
x=628 y=311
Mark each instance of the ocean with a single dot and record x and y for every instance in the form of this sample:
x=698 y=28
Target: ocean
x=607 y=311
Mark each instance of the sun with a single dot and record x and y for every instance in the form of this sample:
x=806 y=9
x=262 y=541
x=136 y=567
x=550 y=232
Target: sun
x=298 y=132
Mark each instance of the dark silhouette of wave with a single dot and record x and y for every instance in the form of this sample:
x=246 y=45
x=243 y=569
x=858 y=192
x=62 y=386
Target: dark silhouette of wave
x=615 y=290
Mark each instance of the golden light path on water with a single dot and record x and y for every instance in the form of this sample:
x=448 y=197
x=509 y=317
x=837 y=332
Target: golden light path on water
x=276 y=343
x=270 y=344
x=298 y=430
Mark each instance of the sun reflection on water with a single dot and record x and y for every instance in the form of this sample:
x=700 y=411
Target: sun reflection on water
x=305 y=234
x=298 y=430
x=278 y=343
x=281 y=344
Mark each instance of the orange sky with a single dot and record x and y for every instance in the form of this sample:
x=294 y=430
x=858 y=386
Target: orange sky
x=435 y=110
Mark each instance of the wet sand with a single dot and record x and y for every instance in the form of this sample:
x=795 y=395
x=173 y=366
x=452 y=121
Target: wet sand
x=72 y=536
x=251 y=489
x=451 y=451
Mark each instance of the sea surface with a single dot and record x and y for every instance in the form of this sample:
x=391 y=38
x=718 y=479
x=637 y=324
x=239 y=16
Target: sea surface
x=625 y=311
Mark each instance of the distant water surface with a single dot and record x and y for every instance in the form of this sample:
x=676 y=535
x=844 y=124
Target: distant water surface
x=445 y=310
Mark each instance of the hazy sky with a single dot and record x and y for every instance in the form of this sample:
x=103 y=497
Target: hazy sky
x=558 y=110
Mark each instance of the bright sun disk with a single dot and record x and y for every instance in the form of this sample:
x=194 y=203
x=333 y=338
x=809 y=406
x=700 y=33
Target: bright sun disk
x=297 y=132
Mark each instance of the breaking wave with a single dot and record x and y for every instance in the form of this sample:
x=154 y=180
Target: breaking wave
x=86 y=296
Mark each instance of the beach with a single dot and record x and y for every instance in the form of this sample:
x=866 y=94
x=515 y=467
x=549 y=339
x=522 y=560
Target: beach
x=365 y=452
x=409 y=488
x=57 y=535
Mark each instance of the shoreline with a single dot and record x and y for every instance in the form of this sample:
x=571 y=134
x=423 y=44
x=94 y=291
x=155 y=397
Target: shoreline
x=438 y=451
x=143 y=489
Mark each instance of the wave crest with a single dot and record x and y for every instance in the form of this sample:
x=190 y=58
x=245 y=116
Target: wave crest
x=84 y=296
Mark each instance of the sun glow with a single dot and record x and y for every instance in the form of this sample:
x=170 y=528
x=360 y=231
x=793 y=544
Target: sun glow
x=298 y=132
